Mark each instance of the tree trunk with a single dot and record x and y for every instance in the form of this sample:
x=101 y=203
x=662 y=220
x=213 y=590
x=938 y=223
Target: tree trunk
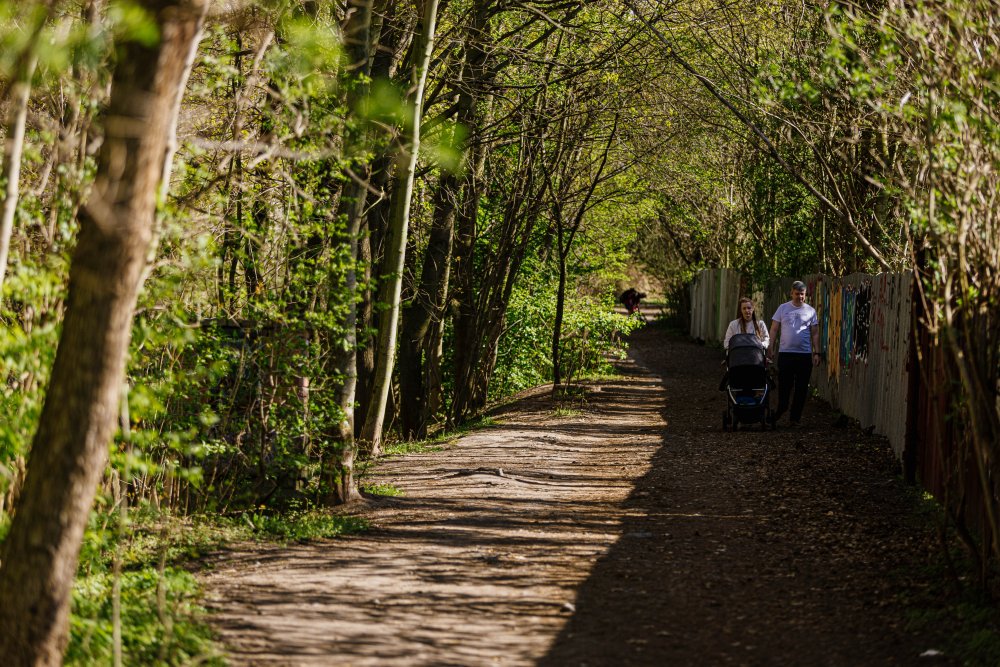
x=475 y=83
x=427 y=304
x=564 y=239
x=39 y=556
x=357 y=39
x=341 y=466
x=391 y=37
x=560 y=311
x=396 y=243
x=483 y=297
x=20 y=92
x=369 y=253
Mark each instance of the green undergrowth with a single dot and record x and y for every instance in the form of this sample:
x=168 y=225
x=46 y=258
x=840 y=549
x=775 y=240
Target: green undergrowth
x=436 y=441
x=163 y=620
x=610 y=375
x=964 y=619
x=381 y=489
x=402 y=448
x=956 y=609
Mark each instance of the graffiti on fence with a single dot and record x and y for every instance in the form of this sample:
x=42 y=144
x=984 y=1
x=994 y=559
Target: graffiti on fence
x=836 y=316
x=862 y=319
x=847 y=328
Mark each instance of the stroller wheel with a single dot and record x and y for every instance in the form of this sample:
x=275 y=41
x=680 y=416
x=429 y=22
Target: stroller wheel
x=726 y=421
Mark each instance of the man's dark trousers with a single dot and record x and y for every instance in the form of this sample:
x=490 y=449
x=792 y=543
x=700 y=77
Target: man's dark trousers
x=794 y=371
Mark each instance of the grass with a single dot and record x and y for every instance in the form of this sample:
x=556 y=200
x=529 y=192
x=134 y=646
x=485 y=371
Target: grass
x=162 y=619
x=609 y=374
x=381 y=489
x=963 y=618
x=967 y=623
x=302 y=526
x=436 y=441
x=402 y=448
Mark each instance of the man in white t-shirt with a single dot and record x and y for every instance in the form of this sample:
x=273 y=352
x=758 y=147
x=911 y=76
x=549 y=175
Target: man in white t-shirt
x=795 y=330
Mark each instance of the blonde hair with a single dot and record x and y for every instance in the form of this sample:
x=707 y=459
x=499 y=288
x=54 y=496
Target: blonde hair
x=753 y=317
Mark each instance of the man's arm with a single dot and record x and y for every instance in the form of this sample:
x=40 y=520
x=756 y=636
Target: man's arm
x=775 y=328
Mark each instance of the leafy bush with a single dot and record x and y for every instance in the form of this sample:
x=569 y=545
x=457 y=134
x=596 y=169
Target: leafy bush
x=302 y=525
x=160 y=616
x=592 y=335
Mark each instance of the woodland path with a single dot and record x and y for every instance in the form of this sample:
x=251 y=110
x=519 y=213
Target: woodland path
x=632 y=531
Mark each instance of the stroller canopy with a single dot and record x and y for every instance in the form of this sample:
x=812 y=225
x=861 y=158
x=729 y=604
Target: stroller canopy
x=745 y=350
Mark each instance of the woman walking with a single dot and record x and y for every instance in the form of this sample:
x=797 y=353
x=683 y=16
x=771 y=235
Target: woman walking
x=746 y=322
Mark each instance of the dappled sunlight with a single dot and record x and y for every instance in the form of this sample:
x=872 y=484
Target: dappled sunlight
x=478 y=561
x=607 y=537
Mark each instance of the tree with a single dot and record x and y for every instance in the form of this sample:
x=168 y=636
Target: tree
x=69 y=449
x=358 y=39
x=568 y=226
x=20 y=89
x=399 y=223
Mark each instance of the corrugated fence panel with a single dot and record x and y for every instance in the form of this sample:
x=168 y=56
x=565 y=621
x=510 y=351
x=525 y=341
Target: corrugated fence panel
x=714 y=293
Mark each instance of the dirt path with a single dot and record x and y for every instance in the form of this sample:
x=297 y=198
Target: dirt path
x=629 y=532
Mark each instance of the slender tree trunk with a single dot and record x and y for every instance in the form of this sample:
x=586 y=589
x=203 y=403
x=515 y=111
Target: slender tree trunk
x=483 y=306
x=396 y=243
x=564 y=239
x=426 y=305
x=391 y=35
x=357 y=38
x=474 y=78
x=370 y=253
x=341 y=469
x=433 y=371
x=560 y=308
x=20 y=92
x=39 y=556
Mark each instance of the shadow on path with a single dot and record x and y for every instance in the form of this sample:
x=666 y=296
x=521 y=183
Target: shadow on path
x=774 y=548
x=628 y=530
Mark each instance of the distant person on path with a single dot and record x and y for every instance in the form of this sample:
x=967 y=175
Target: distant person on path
x=630 y=298
x=795 y=329
x=746 y=322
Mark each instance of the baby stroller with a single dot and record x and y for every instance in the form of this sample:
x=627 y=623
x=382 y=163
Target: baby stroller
x=746 y=385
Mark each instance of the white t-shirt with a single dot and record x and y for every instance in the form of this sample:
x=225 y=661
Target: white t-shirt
x=734 y=328
x=795 y=323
